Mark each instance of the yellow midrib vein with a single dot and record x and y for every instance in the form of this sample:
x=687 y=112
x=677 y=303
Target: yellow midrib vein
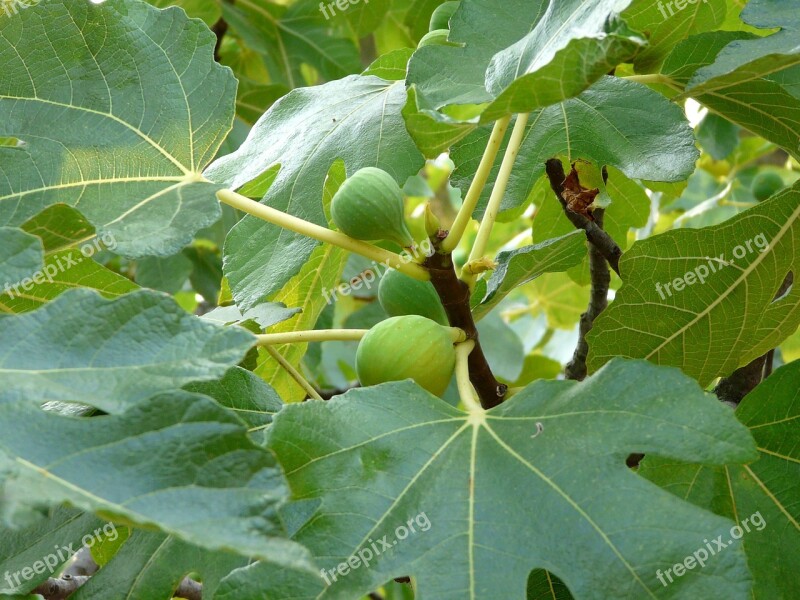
x=115 y=118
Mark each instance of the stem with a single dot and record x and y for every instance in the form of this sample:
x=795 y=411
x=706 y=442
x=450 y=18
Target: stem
x=61 y=588
x=295 y=374
x=597 y=236
x=499 y=190
x=598 y=301
x=322 y=335
x=454 y=295
x=465 y=389
x=476 y=187
x=655 y=78
x=458 y=335
x=323 y=234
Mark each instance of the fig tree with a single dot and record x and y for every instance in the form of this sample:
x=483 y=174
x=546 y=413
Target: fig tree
x=440 y=19
x=401 y=295
x=369 y=206
x=408 y=347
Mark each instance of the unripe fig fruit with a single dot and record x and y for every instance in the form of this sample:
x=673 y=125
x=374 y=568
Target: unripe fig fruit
x=369 y=206
x=401 y=295
x=437 y=37
x=440 y=19
x=766 y=184
x=407 y=347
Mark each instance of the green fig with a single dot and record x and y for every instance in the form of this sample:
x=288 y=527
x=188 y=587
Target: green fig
x=401 y=295
x=765 y=184
x=409 y=347
x=369 y=206
x=437 y=37
x=440 y=19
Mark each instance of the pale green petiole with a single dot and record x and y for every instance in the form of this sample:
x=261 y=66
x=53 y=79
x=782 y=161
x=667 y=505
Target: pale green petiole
x=323 y=234
x=321 y=335
x=499 y=190
x=294 y=373
x=465 y=390
x=476 y=187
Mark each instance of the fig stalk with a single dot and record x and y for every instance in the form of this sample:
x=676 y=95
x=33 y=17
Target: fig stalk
x=476 y=187
x=322 y=234
x=498 y=191
x=319 y=335
x=465 y=390
x=293 y=373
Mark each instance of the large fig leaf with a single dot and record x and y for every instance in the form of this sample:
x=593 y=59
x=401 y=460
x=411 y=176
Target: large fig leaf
x=60 y=529
x=516 y=55
x=615 y=122
x=112 y=354
x=743 y=61
x=69 y=241
x=521 y=486
x=120 y=106
x=178 y=463
x=357 y=120
x=755 y=96
x=21 y=255
x=765 y=494
x=723 y=312
x=151 y=565
x=666 y=25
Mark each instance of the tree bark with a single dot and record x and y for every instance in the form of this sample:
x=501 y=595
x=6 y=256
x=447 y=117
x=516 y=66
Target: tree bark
x=455 y=294
x=595 y=234
x=598 y=301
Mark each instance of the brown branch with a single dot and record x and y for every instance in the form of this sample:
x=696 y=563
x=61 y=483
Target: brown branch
x=732 y=389
x=594 y=233
x=327 y=394
x=81 y=564
x=603 y=251
x=190 y=590
x=61 y=589
x=454 y=294
x=220 y=28
x=768 y=366
x=598 y=300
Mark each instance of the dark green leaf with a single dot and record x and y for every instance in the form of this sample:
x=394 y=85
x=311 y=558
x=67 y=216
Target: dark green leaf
x=120 y=106
x=722 y=313
x=549 y=462
x=112 y=354
x=178 y=463
x=763 y=498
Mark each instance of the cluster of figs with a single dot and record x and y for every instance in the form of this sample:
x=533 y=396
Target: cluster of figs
x=415 y=342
